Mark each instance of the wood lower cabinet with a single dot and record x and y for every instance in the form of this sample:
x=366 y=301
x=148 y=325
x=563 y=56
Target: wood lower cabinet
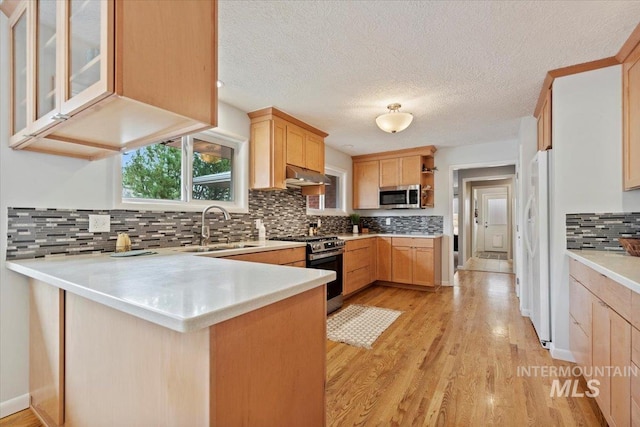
x=631 y=120
x=580 y=311
x=46 y=351
x=384 y=258
x=402 y=264
x=416 y=261
x=601 y=336
x=292 y=256
x=359 y=264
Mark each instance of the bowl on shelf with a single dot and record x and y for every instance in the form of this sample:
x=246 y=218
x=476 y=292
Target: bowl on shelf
x=631 y=245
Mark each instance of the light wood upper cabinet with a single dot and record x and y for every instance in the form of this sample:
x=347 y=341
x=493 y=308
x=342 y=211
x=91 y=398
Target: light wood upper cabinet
x=98 y=83
x=410 y=170
x=278 y=139
x=365 y=184
x=267 y=160
x=389 y=172
x=314 y=152
x=631 y=120
x=544 y=124
x=19 y=37
x=295 y=146
x=400 y=171
x=413 y=166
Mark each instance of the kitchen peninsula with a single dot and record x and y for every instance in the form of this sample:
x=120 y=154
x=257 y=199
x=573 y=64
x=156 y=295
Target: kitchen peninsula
x=176 y=338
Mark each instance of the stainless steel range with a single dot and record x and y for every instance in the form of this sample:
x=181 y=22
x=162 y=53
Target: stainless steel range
x=325 y=253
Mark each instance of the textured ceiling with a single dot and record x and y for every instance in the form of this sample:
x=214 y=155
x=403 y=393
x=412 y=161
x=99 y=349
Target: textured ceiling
x=466 y=70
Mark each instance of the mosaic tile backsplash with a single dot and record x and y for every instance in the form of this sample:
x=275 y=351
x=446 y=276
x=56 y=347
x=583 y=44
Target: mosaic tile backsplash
x=600 y=231
x=35 y=233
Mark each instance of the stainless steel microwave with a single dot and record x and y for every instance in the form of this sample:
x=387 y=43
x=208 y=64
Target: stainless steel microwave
x=400 y=197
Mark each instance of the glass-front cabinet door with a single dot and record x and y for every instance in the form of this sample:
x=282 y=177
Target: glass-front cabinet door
x=89 y=55
x=20 y=108
x=47 y=33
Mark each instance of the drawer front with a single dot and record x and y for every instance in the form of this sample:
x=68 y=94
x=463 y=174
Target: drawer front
x=288 y=256
x=580 y=305
x=580 y=344
x=270 y=257
x=422 y=243
x=579 y=271
x=402 y=241
x=618 y=297
x=353 y=245
x=355 y=280
x=357 y=259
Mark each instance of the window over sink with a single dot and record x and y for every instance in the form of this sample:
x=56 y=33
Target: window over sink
x=186 y=173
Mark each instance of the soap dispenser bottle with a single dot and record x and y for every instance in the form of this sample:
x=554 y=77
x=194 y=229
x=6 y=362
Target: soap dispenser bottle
x=262 y=232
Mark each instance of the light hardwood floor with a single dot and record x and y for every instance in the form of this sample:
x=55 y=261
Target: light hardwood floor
x=24 y=418
x=450 y=359
x=492 y=265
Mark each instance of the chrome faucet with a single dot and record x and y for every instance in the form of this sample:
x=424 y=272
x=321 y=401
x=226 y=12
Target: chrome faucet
x=204 y=236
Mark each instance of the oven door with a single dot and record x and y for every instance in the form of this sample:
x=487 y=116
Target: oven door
x=332 y=263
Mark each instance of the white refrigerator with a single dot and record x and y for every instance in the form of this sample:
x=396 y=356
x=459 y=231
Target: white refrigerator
x=536 y=238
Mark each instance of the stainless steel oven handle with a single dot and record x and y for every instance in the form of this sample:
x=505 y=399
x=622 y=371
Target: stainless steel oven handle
x=313 y=257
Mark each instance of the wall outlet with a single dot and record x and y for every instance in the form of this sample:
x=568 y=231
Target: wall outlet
x=99 y=223
x=387 y=221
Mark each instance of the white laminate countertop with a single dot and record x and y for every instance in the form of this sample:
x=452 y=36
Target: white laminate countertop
x=348 y=237
x=618 y=266
x=178 y=290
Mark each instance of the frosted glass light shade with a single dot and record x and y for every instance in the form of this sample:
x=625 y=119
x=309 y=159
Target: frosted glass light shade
x=394 y=121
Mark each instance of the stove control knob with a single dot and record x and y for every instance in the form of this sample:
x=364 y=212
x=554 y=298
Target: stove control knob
x=316 y=246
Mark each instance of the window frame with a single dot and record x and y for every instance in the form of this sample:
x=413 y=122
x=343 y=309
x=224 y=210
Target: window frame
x=239 y=178
x=342 y=195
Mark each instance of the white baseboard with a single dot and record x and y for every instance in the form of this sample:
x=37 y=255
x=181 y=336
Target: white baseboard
x=445 y=283
x=14 y=405
x=561 y=354
x=525 y=312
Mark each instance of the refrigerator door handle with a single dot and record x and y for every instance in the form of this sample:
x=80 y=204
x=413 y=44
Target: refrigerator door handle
x=525 y=232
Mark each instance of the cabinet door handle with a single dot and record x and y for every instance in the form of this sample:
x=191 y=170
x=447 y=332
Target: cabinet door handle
x=28 y=135
x=603 y=304
x=60 y=116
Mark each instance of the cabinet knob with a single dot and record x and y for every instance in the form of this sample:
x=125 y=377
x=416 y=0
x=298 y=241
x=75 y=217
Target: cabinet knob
x=602 y=303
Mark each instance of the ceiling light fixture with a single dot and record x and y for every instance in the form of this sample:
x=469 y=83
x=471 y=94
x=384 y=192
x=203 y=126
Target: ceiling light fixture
x=394 y=121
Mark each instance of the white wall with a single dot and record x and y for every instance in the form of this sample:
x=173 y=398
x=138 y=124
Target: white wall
x=38 y=180
x=586 y=172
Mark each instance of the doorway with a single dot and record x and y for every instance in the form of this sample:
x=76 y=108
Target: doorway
x=484 y=221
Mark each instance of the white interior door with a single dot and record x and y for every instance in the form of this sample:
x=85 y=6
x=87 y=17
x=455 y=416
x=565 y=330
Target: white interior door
x=495 y=222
